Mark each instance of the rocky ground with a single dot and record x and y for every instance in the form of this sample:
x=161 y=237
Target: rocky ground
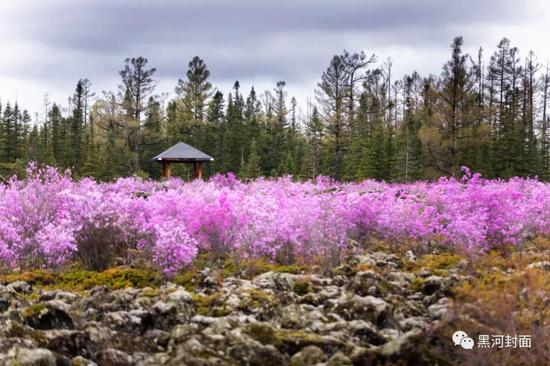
x=379 y=308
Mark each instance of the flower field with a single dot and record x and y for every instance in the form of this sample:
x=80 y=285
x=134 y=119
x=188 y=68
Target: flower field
x=48 y=219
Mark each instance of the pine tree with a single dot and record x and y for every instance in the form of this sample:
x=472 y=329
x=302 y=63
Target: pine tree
x=56 y=134
x=77 y=147
x=412 y=159
x=366 y=124
x=35 y=145
x=252 y=128
x=151 y=139
x=277 y=128
x=375 y=161
x=195 y=91
x=233 y=153
x=252 y=167
x=544 y=139
x=458 y=100
x=6 y=134
x=314 y=133
x=331 y=95
x=307 y=165
x=137 y=84
x=529 y=139
x=217 y=125
x=359 y=141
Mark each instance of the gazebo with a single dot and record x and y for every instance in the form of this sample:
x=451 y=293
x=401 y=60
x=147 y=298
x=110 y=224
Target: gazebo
x=182 y=153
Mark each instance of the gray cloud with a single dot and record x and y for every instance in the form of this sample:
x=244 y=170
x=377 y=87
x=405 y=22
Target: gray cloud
x=53 y=43
x=113 y=26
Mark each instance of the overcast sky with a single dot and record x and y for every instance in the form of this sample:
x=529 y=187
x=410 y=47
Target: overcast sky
x=46 y=46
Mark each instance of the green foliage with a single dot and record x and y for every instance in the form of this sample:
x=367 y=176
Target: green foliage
x=80 y=280
x=301 y=287
x=186 y=278
x=33 y=310
x=490 y=116
x=211 y=305
x=252 y=167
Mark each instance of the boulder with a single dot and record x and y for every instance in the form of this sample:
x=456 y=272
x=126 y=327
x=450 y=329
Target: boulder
x=31 y=357
x=180 y=296
x=310 y=355
x=20 y=287
x=113 y=357
x=50 y=315
x=339 y=359
x=68 y=342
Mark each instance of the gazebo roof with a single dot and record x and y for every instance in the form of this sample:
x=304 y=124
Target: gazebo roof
x=181 y=152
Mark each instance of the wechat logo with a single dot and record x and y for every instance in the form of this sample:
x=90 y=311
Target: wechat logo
x=461 y=339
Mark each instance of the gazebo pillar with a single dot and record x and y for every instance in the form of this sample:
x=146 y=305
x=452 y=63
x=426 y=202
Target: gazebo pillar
x=166 y=169
x=197 y=169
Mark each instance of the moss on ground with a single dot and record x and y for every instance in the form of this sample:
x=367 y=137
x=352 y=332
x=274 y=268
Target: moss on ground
x=289 y=339
x=436 y=263
x=33 y=310
x=301 y=287
x=150 y=292
x=230 y=267
x=249 y=268
x=18 y=330
x=259 y=298
x=37 y=277
x=187 y=279
x=80 y=280
x=114 y=278
x=211 y=305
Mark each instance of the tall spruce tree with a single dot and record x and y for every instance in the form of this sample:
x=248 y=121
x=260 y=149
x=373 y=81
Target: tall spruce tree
x=331 y=94
x=77 y=151
x=195 y=90
x=233 y=151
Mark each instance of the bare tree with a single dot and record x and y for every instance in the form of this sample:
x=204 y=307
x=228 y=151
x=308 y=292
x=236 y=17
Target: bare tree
x=353 y=65
x=89 y=96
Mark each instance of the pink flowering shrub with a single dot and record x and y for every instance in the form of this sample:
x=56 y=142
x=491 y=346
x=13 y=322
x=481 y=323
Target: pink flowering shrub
x=48 y=219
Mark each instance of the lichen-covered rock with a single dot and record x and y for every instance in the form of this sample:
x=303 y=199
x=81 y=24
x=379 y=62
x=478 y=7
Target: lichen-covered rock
x=433 y=284
x=5 y=299
x=308 y=356
x=367 y=283
x=369 y=309
x=81 y=361
x=114 y=357
x=400 y=348
x=125 y=320
x=438 y=310
x=339 y=359
x=20 y=287
x=298 y=316
x=68 y=342
x=30 y=357
x=65 y=296
x=544 y=265
x=251 y=351
x=180 y=295
x=49 y=315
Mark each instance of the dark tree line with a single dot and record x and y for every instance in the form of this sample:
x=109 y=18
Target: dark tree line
x=489 y=114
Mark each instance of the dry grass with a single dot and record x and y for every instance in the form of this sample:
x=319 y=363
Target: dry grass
x=502 y=296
